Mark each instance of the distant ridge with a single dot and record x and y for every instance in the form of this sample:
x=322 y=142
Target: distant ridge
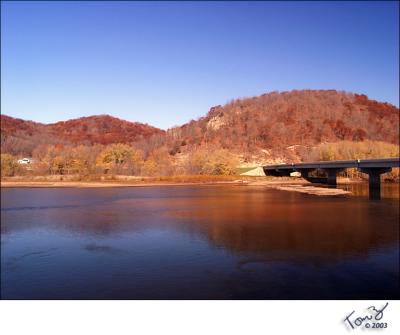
x=19 y=136
x=275 y=121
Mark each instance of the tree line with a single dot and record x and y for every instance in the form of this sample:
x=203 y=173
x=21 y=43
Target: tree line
x=155 y=160
x=120 y=159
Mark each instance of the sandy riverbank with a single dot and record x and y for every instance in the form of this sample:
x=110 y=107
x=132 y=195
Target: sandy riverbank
x=275 y=182
x=107 y=184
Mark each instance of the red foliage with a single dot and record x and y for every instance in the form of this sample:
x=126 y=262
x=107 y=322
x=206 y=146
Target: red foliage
x=341 y=131
x=10 y=125
x=103 y=129
x=271 y=121
x=278 y=120
x=19 y=136
x=359 y=135
x=378 y=109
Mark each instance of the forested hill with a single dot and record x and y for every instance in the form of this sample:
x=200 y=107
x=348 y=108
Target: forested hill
x=280 y=123
x=305 y=117
x=21 y=137
x=276 y=124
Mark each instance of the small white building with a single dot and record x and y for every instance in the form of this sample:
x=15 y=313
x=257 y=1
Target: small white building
x=25 y=161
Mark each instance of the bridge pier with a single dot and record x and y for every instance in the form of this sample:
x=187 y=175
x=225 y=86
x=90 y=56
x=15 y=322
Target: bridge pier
x=330 y=180
x=304 y=173
x=374 y=180
x=332 y=176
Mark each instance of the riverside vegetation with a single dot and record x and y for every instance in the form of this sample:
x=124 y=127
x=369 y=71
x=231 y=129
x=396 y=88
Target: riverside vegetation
x=105 y=162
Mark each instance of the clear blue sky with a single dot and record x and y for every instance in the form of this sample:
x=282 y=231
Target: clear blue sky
x=166 y=63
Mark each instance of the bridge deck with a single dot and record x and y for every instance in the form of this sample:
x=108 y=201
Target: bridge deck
x=365 y=163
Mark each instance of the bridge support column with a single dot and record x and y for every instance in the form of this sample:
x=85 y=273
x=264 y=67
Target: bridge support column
x=331 y=178
x=304 y=173
x=374 y=180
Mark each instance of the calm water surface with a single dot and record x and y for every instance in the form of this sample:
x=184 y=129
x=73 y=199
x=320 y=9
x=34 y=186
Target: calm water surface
x=203 y=242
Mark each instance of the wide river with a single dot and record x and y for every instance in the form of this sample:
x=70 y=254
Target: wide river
x=198 y=242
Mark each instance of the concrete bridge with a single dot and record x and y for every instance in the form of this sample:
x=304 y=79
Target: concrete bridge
x=373 y=167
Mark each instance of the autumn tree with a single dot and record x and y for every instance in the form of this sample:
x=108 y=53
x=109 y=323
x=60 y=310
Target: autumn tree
x=54 y=159
x=150 y=168
x=212 y=162
x=8 y=165
x=118 y=158
x=347 y=150
x=159 y=162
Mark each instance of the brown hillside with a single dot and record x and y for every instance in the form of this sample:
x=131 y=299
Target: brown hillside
x=21 y=137
x=273 y=125
x=102 y=129
x=280 y=123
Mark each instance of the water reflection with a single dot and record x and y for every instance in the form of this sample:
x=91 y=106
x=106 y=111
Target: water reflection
x=295 y=226
x=387 y=190
x=228 y=242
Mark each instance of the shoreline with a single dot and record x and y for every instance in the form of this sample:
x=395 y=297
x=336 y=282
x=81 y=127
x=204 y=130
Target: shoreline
x=74 y=184
x=106 y=184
